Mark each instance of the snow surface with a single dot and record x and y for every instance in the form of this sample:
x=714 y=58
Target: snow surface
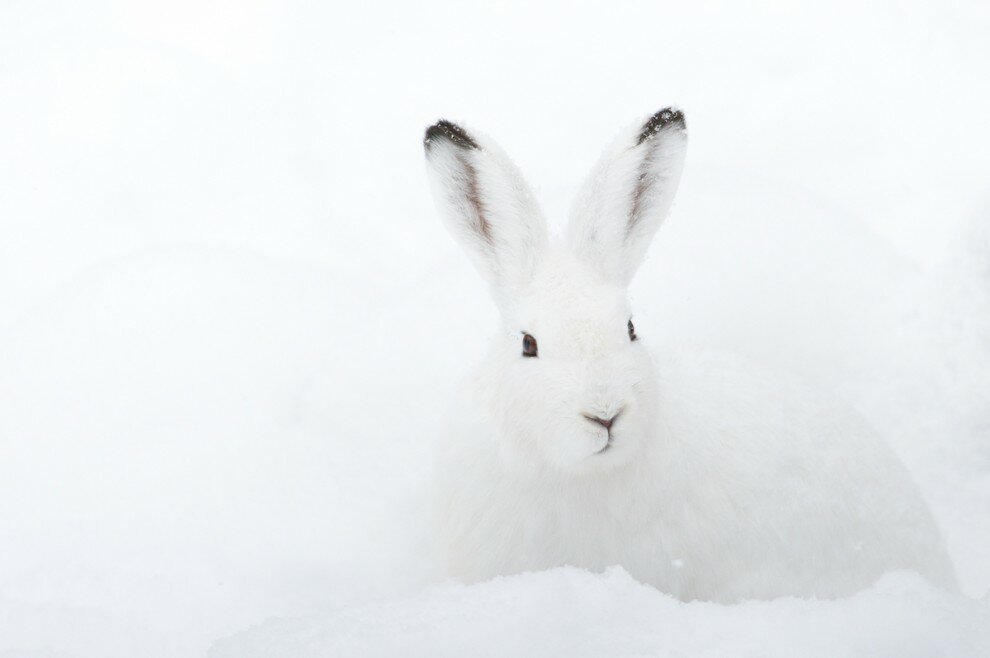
x=230 y=318
x=567 y=612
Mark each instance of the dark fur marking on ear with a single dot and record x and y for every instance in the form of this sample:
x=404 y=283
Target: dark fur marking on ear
x=668 y=116
x=444 y=129
x=474 y=198
x=447 y=130
x=646 y=180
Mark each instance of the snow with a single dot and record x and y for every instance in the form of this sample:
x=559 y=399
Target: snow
x=566 y=612
x=230 y=318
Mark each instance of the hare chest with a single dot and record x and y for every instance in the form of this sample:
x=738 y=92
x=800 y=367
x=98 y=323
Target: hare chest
x=499 y=525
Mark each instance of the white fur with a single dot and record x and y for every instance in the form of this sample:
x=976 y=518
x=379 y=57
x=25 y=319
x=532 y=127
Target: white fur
x=719 y=482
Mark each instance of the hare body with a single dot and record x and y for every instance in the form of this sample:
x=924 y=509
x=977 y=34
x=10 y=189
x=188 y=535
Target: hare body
x=727 y=499
x=573 y=445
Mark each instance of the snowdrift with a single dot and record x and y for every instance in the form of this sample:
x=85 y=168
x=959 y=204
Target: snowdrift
x=566 y=612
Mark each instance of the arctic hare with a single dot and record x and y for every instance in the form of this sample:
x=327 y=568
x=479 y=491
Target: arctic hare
x=572 y=445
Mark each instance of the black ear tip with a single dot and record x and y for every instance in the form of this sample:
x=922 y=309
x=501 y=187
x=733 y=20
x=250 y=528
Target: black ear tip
x=667 y=117
x=449 y=131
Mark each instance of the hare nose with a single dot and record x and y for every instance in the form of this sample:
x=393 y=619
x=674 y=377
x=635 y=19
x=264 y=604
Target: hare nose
x=604 y=422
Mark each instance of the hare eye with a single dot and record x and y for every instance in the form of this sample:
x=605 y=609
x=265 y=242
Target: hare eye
x=632 y=330
x=529 y=345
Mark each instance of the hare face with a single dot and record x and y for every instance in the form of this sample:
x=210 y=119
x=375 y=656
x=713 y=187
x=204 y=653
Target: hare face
x=583 y=401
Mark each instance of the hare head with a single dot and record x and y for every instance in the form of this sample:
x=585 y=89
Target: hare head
x=571 y=384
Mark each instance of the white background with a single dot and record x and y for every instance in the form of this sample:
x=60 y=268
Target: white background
x=230 y=319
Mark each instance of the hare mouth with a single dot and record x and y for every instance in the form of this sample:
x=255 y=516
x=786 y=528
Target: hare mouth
x=608 y=444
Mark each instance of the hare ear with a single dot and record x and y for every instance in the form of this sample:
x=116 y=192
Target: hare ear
x=485 y=203
x=628 y=194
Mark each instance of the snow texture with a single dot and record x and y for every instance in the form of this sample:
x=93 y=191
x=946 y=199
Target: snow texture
x=567 y=612
x=230 y=317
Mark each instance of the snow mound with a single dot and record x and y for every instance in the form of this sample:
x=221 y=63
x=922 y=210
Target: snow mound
x=569 y=612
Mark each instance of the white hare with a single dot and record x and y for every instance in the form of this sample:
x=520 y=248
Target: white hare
x=572 y=445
